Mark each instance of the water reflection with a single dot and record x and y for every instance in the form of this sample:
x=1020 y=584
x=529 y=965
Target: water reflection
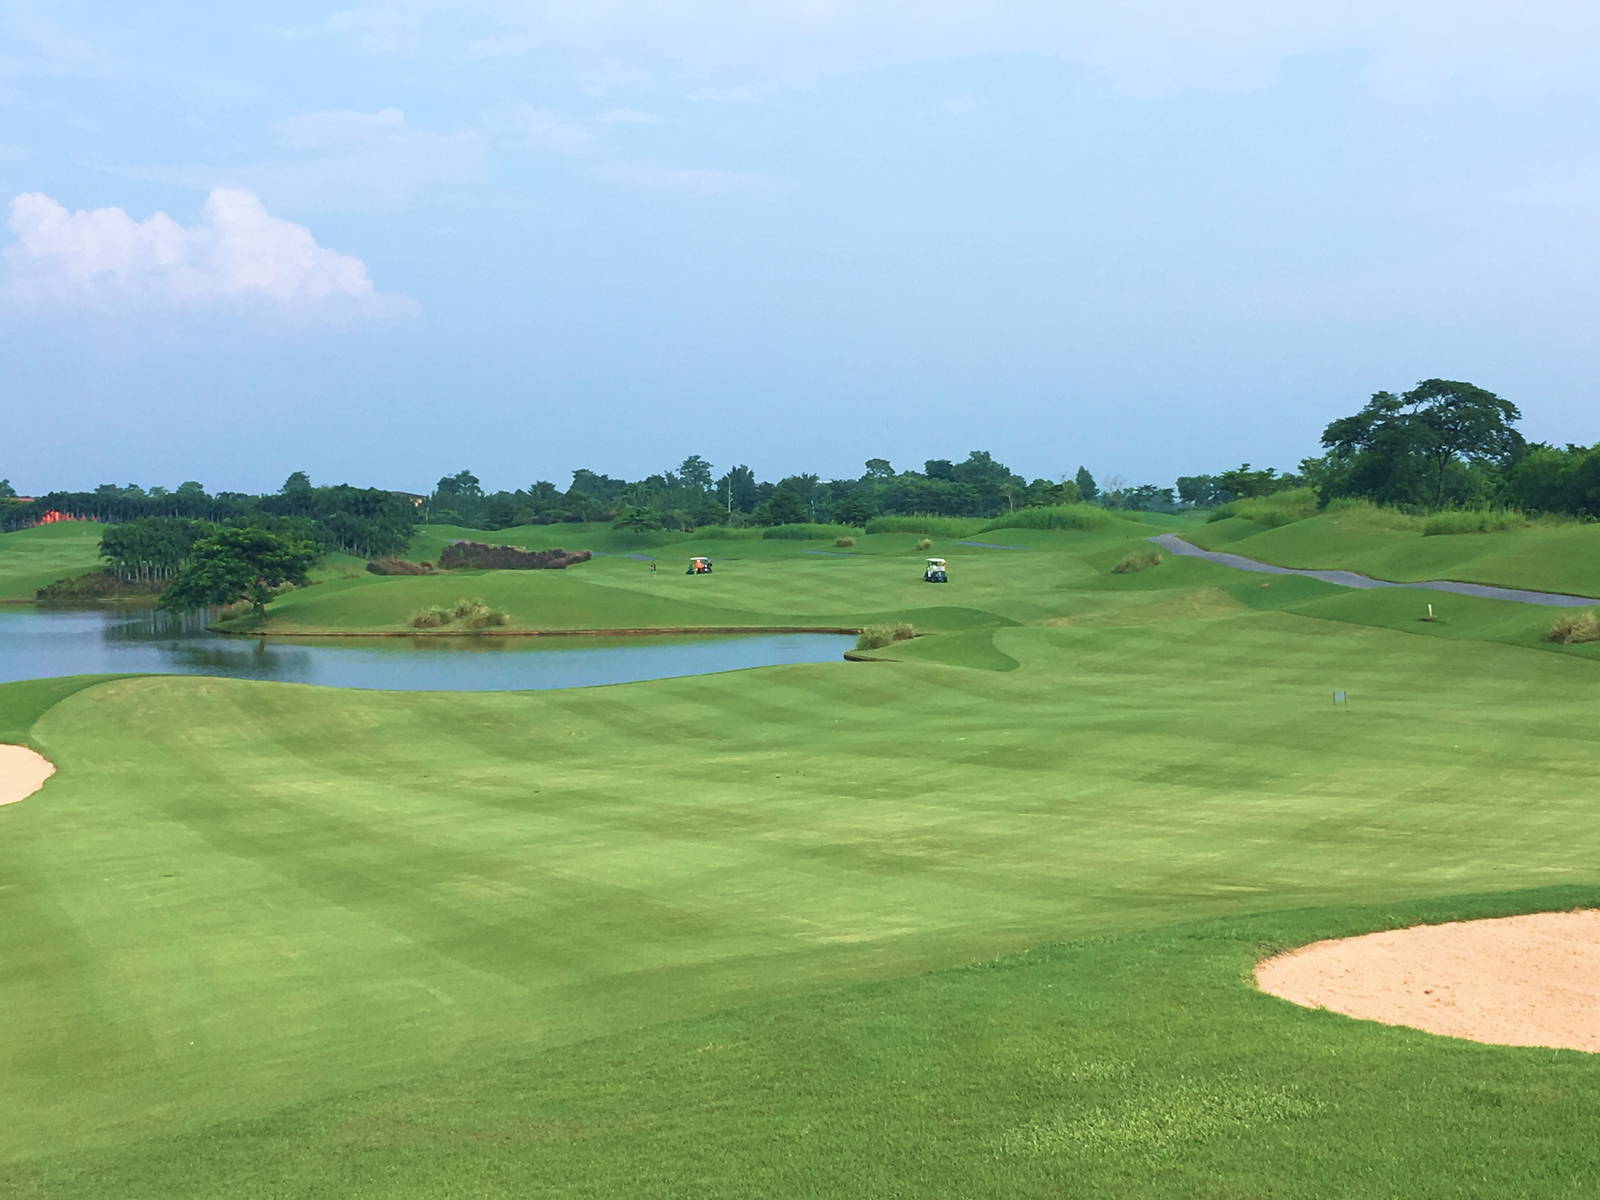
x=35 y=643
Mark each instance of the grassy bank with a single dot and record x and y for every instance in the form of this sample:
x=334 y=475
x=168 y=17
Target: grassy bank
x=715 y=936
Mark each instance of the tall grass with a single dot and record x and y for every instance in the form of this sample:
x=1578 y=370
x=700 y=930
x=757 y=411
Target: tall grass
x=469 y=612
x=1054 y=516
x=720 y=533
x=1360 y=510
x=1575 y=627
x=1137 y=560
x=875 y=637
x=1474 y=520
x=954 y=527
x=808 y=533
x=1280 y=508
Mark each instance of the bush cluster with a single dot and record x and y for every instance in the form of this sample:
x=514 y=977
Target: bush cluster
x=473 y=614
x=925 y=544
x=96 y=585
x=1575 y=627
x=844 y=541
x=398 y=566
x=459 y=555
x=874 y=637
x=1137 y=560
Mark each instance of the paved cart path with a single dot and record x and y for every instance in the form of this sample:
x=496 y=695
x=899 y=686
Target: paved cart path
x=1174 y=543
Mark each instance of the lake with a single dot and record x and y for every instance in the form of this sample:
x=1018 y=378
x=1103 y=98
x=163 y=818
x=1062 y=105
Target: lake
x=36 y=643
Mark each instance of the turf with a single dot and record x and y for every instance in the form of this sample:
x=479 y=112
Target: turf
x=976 y=920
x=1554 y=558
x=32 y=558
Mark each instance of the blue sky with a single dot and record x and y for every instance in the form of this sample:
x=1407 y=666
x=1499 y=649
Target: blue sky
x=380 y=242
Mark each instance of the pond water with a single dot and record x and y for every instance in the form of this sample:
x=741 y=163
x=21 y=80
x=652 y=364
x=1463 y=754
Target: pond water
x=35 y=643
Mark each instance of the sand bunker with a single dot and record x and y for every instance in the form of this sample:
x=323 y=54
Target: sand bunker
x=1514 y=981
x=22 y=773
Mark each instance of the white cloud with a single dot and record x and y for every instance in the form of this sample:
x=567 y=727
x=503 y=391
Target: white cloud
x=237 y=257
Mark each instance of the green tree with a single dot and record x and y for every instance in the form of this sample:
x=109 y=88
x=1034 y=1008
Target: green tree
x=239 y=563
x=1242 y=482
x=695 y=472
x=7 y=492
x=1087 y=488
x=1402 y=448
x=297 y=483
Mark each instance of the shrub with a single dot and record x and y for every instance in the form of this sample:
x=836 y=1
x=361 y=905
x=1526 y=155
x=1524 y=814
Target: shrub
x=488 y=617
x=874 y=637
x=925 y=544
x=844 y=541
x=952 y=527
x=1575 y=627
x=807 y=533
x=96 y=585
x=431 y=617
x=1137 y=560
x=458 y=555
x=1054 y=516
x=398 y=566
x=1474 y=520
x=1280 y=508
x=235 y=611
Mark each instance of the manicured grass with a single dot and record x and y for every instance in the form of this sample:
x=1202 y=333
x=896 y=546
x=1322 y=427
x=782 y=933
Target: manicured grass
x=712 y=936
x=1555 y=558
x=33 y=558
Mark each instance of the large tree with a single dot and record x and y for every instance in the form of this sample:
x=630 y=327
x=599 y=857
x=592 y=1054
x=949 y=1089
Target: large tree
x=239 y=563
x=1401 y=448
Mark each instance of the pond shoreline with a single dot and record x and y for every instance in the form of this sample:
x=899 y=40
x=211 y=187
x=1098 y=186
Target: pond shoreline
x=655 y=631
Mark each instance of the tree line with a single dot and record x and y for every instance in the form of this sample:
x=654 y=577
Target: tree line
x=1442 y=444
x=692 y=495
x=362 y=521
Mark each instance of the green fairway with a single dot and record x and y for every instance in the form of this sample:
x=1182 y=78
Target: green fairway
x=716 y=936
x=1553 y=558
x=32 y=558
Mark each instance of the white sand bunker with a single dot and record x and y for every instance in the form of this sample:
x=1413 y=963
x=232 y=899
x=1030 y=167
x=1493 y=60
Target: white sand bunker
x=1515 y=981
x=22 y=773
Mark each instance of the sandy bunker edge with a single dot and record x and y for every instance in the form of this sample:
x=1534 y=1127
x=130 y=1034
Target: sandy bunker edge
x=22 y=772
x=1531 y=980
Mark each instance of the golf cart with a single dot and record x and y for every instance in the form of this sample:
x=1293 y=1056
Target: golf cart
x=937 y=572
x=699 y=566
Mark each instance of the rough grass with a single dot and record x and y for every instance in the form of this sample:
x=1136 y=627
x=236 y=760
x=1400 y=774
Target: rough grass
x=844 y=541
x=1137 y=560
x=949 y=527
x=807 y=532
x=875 y=637
x=1474 y=520
x=1056 y=516
x=1280 y=508
x=924 y=544
x=1575 y=627
x=398 y=566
